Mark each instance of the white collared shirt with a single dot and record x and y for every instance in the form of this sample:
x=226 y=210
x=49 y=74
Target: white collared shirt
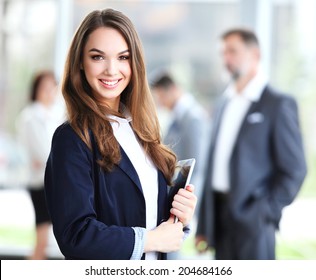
x=35 y=127
x=232 y=118
x=146 y=170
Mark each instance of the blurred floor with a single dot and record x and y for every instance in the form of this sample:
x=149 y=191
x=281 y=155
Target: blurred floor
x=17 y=213
x=298 y=220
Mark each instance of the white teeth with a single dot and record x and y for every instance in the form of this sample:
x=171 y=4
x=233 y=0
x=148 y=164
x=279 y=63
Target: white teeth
x=110 y=83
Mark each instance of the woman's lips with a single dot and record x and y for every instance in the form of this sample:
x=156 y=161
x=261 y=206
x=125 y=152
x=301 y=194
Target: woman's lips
x=110 y=83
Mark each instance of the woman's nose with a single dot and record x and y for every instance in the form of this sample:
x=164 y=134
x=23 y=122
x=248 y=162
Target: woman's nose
x=111 y=67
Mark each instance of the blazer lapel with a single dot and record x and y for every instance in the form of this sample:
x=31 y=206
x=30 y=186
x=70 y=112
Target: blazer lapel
x=126 y=166
x=254 y=107
x=125 y=163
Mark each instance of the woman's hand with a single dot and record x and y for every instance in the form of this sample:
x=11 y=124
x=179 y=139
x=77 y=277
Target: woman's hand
x=167 y=237
x=184 y=204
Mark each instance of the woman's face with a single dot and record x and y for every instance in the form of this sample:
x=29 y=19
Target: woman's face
x=107 y=66
x=47 y=90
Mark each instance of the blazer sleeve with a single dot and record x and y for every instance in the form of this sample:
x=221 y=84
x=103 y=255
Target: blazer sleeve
x=70 y=196
x=195 y=135
x=288 y=156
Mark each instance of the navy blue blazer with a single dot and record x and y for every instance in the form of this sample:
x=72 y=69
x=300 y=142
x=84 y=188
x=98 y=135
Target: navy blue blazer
x=92 y=211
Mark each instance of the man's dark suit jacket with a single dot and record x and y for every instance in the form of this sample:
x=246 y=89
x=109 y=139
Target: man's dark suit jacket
x=92 y=211
x=267 y=166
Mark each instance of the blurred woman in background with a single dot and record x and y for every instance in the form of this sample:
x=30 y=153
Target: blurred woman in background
x=35 y=125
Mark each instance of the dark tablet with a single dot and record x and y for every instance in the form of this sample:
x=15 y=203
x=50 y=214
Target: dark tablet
x=181 y=177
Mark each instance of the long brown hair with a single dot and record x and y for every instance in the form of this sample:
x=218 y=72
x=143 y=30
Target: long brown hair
x=85 y=112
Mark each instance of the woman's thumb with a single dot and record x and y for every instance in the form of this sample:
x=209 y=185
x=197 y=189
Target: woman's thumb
x=171 y=219
x=190 y=188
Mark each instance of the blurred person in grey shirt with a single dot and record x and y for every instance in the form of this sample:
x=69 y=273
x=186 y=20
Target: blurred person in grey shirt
x=187 y=128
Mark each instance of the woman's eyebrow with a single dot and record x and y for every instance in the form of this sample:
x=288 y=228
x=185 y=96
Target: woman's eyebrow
x=101 y=52
x=96 y=50
x=123 y=51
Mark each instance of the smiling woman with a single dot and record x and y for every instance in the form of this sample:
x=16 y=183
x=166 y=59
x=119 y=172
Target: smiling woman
x=107 y=66
x=107 y=173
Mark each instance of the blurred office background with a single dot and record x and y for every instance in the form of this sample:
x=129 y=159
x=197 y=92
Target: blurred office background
x=179 y=35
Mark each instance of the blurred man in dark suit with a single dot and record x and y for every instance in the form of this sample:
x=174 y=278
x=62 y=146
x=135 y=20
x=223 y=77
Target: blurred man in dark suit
x=256 y=162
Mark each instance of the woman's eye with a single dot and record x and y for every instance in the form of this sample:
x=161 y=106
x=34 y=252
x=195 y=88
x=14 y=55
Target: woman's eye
x=97 y=57
x=124 y=57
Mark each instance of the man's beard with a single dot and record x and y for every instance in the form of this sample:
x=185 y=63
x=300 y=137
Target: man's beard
x=234 y=72
x=235 y=75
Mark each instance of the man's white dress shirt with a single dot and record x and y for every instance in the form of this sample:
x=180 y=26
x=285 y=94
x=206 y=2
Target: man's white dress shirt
x=233 y=115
